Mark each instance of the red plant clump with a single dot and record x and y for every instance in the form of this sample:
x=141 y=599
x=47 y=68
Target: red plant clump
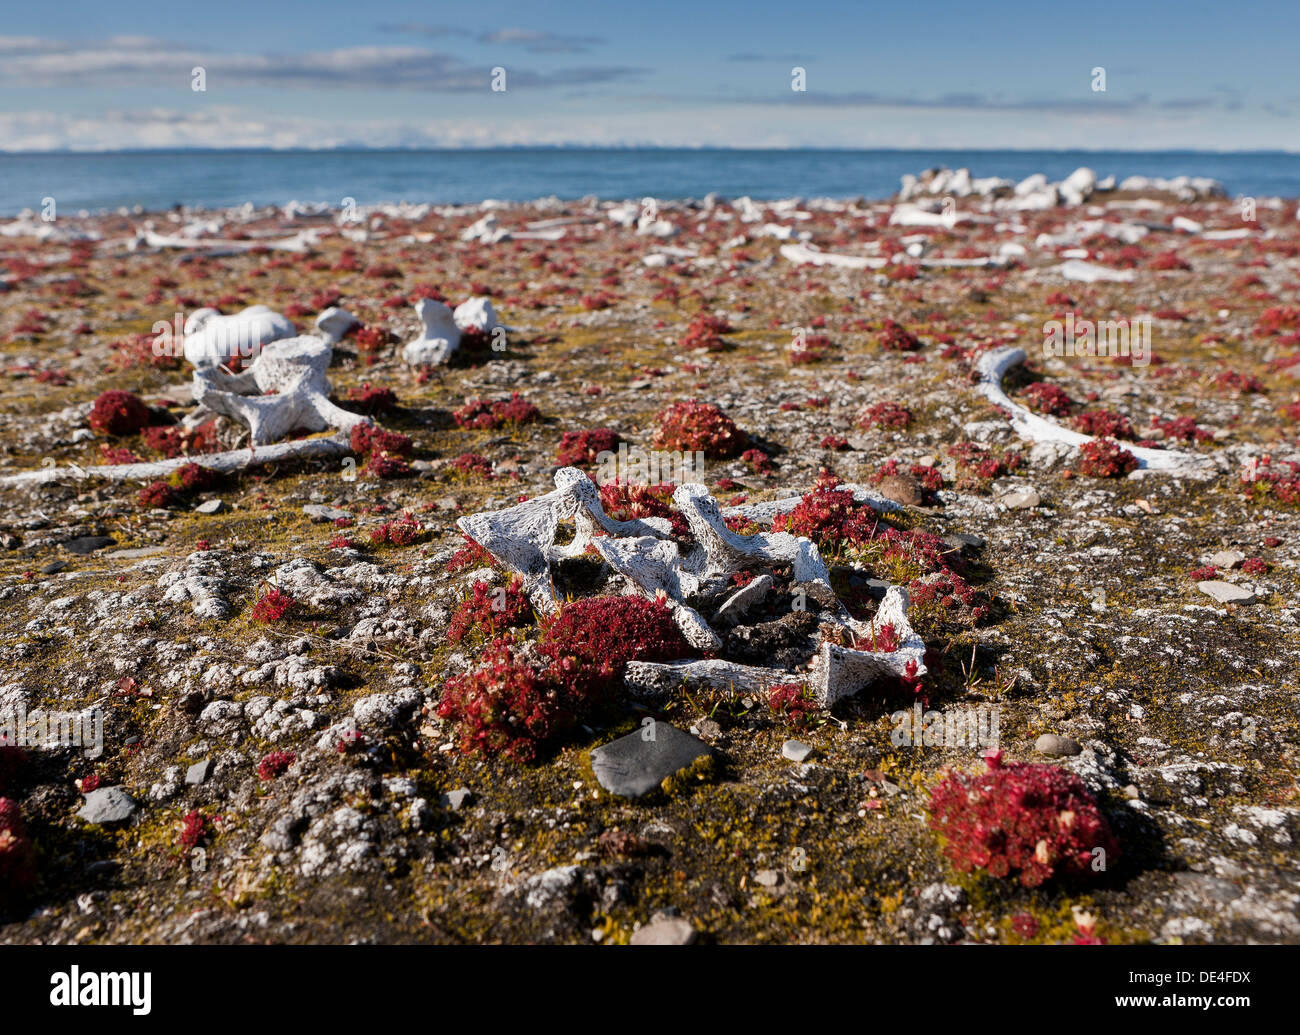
x=471 y=555
x=503 y=707
x=507 y=706
x=370 y=438
x=929 y=477
x=119 y=413
x=481 y=413
x=158 y=495
x=705 y=332
x=1105 y=423
x=117 y=454
x=1168 y=261
x=1049 y=399
x=194 y=827
x=372 y=399
x=272 y=605
x=758 y=461
x=17 y=856
x=894 y=337
x=1033 y=821
x=884 y=415
x=1105 y=458
x=191 y=478
x=698 y=426
x=979 y=463
x=1255 y=566
x=401 y=531
x=793 y=700
x=1273 y=481
x=1183 y=429
x=472 y=465
x=1238 y=383
x=624 y=502
x=275 y=763
x=385 y=465
x=1277 y=319
x=829 y=517
x=582 y=447
x=491 y=609
x=1201 y=574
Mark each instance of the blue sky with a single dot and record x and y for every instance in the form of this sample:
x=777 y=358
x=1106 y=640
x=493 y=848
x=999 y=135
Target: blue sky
x=95 y=76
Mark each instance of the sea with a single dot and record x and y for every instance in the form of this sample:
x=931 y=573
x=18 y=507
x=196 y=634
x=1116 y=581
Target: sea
x=155 y=180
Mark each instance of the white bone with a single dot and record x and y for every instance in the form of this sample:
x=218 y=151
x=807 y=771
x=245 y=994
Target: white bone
x=293 y=371
x=439 y=338
x=992 y=368
x=211 y=338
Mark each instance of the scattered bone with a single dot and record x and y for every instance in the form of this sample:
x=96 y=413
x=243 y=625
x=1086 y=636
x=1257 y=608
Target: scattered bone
x=1091 y=273
x=224 y=463
x=284 y=390
x=211 y=338
x=651 y=680
x=801 y=254
x=993 y=366
x=438 y=339
x=334 y=323
x=523 y=538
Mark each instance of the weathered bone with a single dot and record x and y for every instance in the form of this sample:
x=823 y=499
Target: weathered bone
x=225 y=463
x=992 y=368
x=285 y=389
x=840 y=672
x=333 y=323
x=211 y=338
x=653 y=680
x=439 y=338
x=523 y=538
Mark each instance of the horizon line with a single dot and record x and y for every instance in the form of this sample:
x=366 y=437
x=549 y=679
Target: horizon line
x=364 y=149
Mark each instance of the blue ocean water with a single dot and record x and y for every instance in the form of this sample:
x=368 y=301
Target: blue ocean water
x=160 y=179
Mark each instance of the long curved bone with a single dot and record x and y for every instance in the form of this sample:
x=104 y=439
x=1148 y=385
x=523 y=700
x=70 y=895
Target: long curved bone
x=992 y=368
x=225 y=463
x=285 y=389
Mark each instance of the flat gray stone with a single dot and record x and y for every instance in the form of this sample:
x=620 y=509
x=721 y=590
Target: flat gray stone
x=198 y=772
x=54 y=567
x=669 y=931
x=88 y=543
x=106 y=805
x=1226 y=592
x=1021 y=499
x=319 y=513
x=209 y=507
x=634 y=765
x=796 y=750
x=1228 y=559
x=1057 y=745
x=453 y=800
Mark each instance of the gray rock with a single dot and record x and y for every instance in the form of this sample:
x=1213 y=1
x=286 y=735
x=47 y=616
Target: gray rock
x=319 y=513
x=769 y=878
x=668 y=931
x=54 y=567
x=107 y=805
x=198 y=772
x=135 y=552
x=1021 y=499
x=796 y=750
x=635 y=765
x=1226 y=592
x=1057 y=745
x=1228 y=559
x=88 y=543
x=209 y=507
x=453 y=800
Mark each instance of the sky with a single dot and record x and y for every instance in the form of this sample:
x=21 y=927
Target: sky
x=903 y=74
